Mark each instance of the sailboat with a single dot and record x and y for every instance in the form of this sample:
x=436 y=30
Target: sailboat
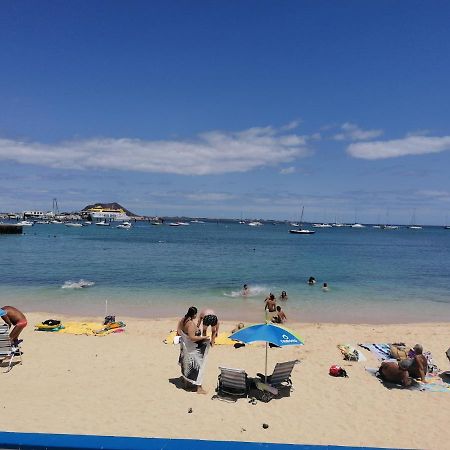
x=300 y=230
x=413 y=225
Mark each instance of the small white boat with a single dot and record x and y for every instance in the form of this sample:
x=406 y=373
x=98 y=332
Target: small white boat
x=254 y=224
x=295 y=225
x=415 y=227
x=73 y=224
x=156 y=222
x=42 y=222
x=174 y=224
x=302 y=231
x=321 y=225
x=102 y=223
x=25 y=223
x=389 y=227
x=197 y=221
x=124 y=226
x=183 y=224
x=87 y=222
x=242 y=222
x=358 y=225
x=56 y=222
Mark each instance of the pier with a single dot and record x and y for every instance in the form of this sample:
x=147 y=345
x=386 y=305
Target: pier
x=6 y=228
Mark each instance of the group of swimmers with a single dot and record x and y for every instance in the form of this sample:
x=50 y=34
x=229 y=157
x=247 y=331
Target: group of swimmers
x=312 y=281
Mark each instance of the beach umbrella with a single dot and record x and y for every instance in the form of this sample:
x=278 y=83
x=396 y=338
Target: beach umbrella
x=268 y=333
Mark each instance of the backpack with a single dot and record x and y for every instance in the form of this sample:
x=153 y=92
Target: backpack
x=109 y=319
x=337 y=371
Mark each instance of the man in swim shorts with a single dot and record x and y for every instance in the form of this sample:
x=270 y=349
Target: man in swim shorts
x=209 y=319
x=13 y=318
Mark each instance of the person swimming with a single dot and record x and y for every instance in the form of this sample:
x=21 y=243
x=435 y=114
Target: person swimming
x=325 y=287
x=311 y=281
x=283 y=295
x=245 y=291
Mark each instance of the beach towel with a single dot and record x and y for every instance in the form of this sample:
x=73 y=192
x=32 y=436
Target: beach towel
x=381 y=351
x=432 y=383
x=350 y=353
x=193 y=356
x=91 y=328
x=222 y=339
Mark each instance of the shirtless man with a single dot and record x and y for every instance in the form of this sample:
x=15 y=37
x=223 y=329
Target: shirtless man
x=13 y=318
x=209 y=318
x=271 y=305
x=393 y=372
x=245 y=291
x=280 y=317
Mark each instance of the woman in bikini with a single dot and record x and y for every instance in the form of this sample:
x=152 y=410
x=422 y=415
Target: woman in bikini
x=193 y=349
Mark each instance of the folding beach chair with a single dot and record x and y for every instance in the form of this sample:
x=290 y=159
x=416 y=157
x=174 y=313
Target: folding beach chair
x=232 y=382
x=7 y=350
x=281 y=376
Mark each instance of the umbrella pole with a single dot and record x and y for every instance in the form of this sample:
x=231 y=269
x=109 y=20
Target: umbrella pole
x=265 y=370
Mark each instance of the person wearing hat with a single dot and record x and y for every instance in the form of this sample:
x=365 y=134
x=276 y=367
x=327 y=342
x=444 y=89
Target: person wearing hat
x=419 y=365
x=13 y=318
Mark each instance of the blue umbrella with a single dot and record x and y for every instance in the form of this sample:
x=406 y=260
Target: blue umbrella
x=267 y=332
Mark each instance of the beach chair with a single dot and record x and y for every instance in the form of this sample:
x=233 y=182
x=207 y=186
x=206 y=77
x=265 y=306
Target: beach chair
x=232 y=382
x=281 y=376
x=7 y=350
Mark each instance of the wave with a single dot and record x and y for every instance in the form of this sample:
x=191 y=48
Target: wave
x=77 y=284
x=253 y=291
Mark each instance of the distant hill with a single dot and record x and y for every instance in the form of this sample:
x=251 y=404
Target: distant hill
x=113 y=205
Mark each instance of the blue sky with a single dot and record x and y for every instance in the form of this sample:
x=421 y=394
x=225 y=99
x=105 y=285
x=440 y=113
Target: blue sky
x=223 y=108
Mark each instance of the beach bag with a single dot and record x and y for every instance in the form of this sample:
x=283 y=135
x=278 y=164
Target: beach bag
x=51 y=322
x=109 y=319
x=337 y=371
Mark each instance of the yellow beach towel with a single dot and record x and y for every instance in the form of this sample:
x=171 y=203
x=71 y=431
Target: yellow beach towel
x=88 y=328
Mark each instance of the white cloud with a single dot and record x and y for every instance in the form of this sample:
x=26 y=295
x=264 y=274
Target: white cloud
x=351 y=132
x=287 y=170
x=411 y=145
x=212 y=152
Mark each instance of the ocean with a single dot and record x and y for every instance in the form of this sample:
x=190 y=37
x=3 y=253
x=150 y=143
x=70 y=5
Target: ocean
x=374 y=276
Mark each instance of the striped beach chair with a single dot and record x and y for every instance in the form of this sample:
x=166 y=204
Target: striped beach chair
x=7 y=350
x=281 y=376
x=232 y=382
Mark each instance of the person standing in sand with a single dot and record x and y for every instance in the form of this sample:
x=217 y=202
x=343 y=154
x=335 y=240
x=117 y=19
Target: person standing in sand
x=209 y=318
x=14 y=318
x=193 y=350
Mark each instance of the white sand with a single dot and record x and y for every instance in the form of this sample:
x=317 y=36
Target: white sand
x=121 y=385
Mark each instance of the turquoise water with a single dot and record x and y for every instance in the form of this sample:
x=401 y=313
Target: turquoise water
x=156 y=271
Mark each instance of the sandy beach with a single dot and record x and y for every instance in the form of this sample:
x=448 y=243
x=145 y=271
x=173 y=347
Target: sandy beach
x=128 y=384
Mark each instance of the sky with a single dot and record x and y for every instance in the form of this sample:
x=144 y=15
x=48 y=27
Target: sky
x=228 y=109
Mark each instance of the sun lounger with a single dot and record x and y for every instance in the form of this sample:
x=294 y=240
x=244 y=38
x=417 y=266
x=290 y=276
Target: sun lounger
x=232 y=382
x=7 y=350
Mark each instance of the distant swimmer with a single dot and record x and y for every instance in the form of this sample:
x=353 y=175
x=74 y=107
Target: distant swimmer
x=325 y=287
x=280 y=316
x=283 y=295
x=311 y=281
x=245 y=290
x=270 y=303
x=209 y=319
